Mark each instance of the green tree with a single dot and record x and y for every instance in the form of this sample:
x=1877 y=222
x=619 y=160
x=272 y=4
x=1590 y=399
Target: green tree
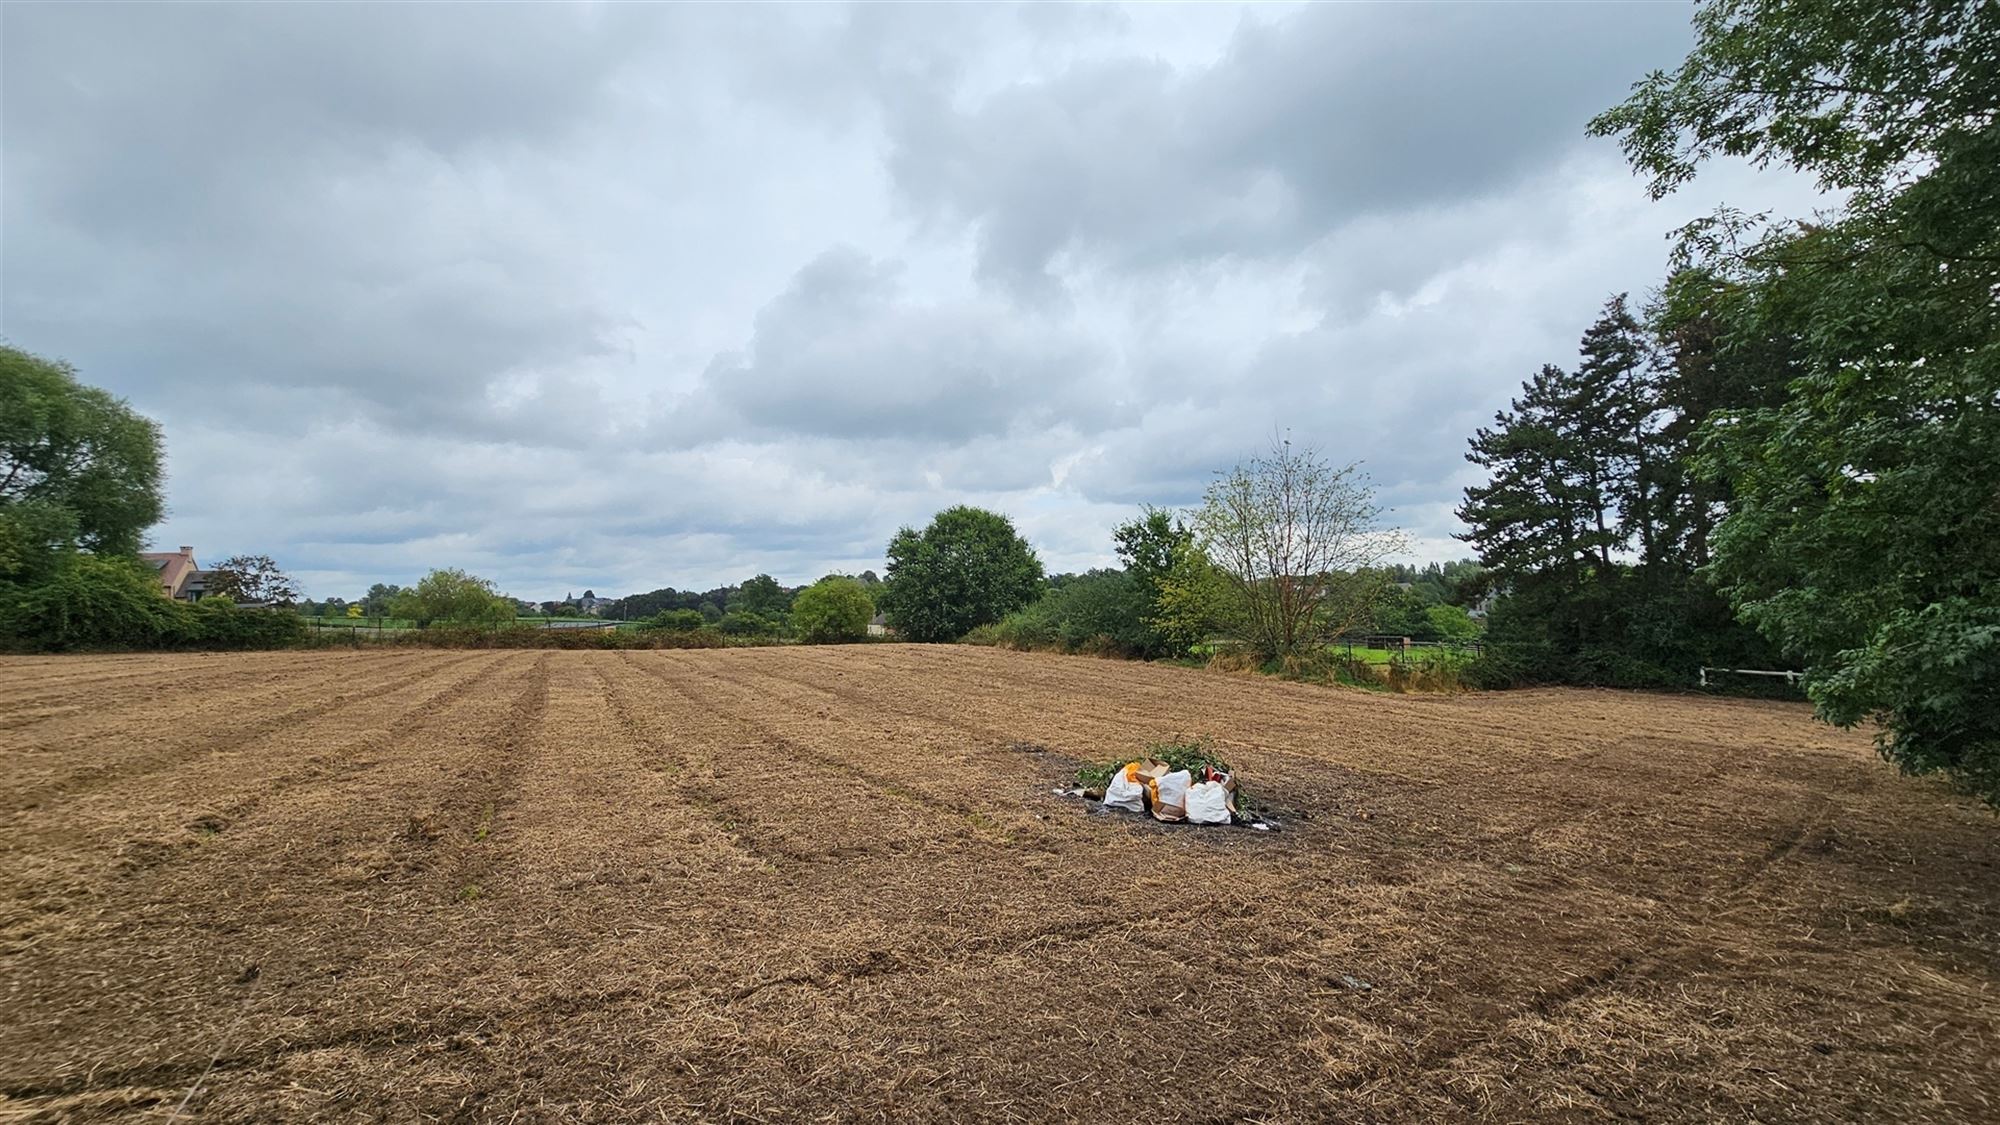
x=1192 y=602
x=1151 y=546
x=451 y=596
x=1297 y=542
x=1609 y=438
x=375 y=603
x=78 y=467
x=1554 y=459
x=1862 y=532
x=1451 y=623
x=834 y=610
x=761 y=595
x=968 y=568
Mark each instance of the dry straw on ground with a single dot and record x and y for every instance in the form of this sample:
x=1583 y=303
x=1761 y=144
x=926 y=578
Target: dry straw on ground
x=789 y=884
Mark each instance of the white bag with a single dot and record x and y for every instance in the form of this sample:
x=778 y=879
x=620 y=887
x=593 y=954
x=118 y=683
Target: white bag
x=1170 y=798
x=1122 y=794
x=1208 y=803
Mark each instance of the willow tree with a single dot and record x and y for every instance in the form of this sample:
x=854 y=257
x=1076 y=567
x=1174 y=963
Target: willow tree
x=79 y=468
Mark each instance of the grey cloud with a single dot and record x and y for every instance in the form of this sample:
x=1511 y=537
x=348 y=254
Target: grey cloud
x=846 y=351
x=546 y=291
x=1339 y=112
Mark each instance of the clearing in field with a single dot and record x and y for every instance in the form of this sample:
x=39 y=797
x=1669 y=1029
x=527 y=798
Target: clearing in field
x=808 y=883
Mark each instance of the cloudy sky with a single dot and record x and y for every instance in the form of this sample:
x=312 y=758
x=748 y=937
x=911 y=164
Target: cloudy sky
x=623 y=296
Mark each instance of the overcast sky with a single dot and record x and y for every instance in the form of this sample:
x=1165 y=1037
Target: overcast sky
x=622 y=296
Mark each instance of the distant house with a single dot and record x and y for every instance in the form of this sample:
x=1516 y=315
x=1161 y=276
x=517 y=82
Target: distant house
x=592 y=604
x=878 y=626
x=181 y=578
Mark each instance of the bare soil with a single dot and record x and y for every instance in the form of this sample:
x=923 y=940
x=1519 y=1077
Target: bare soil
x=815 y=883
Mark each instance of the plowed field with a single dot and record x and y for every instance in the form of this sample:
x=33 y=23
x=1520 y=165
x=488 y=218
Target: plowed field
x=819 y=883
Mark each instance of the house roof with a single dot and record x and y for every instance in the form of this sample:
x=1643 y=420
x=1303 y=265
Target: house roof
x=174 y=567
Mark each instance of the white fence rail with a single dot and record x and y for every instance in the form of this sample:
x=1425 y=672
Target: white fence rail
x=1789 y=677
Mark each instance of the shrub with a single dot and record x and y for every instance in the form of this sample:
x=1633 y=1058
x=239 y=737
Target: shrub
x=833 y=610
x=454 y=596
x=217 y=623
x=1102 y=612
x=90 y=601
x=1450 y=623
x=1425 y=670
x=747 y=623
x=464 y=636
x=677 y=620
x=100 y=602
x=1029 y=630
x=988 y=635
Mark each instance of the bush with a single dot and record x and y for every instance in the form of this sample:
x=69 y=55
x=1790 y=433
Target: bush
x=677 y=620
x=1102 y=612
x=465 y=636
x=833 y=610
x=90 y=601
x=1450 y=623
x=452 y=595
x=106 y=602
x=1425 y=670
x=747 y=623
x=217 y=623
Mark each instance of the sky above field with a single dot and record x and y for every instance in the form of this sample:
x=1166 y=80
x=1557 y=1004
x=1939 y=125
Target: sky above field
x=619 y=297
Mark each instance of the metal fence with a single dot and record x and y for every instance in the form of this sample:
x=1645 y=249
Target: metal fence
x=1406 y=645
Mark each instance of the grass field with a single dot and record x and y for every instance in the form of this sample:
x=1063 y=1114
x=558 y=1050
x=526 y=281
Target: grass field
x=832 y=883
x=1383 y=655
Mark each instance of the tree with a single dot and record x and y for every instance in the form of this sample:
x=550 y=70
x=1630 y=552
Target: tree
x=1862 y=533
x=1554 y=460
x=78 y=467
x=761 y=595
x=252 y=578
x=834 y=610
x=375 y=603
x=354 y=610
x=1451 y=623
x=1297 y=544
x=968 y=568
x=1151 y=546
x=1191 y=603
x=1609 y=437
x=454 y=597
